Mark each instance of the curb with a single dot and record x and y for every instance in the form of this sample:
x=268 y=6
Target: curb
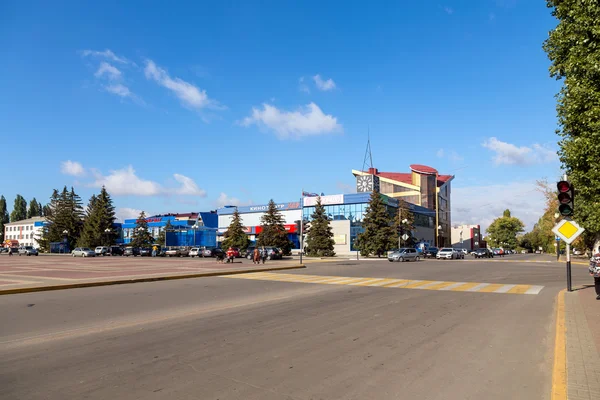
x=559 y=369
x=140 y=280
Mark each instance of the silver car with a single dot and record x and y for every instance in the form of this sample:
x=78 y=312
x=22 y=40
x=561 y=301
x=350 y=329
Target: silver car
x=83 y=252
x=28 y=251
x=460 y=253
x=406 y=254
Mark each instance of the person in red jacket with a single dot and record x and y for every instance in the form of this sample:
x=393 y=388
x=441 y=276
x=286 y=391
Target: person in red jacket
x=230 y=255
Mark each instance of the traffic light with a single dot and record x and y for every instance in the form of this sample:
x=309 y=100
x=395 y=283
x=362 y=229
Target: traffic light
x=566 y=193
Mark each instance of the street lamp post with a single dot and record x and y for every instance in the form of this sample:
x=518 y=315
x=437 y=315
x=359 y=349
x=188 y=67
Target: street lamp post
x=107 y=232
x=461 y=241
x=403 y=222
x=439 y=235
x=194 y=227
x=65 y=232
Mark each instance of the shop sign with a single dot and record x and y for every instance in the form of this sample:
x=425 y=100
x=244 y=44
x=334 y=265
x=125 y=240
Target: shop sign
x=325 y=200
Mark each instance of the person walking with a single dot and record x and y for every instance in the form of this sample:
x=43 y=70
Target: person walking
x=256 y=256
x=595 y=272
x=154 y=249
x=264 y=255
x=10 y=251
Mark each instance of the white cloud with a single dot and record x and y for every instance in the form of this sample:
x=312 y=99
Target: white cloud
x=345 y=188
x=482 y=204
x=188 y=186
x=189 y=94
x=325 y=86
x=110 y=71
x=123 y=213
x=72 y=168
x=119 y=90
x=307 y=121
x=105 y=54
x=448 y=10
x=302 y=86
x=440 y=153
x=225 y=200
x=508 y=153
x=123 y=182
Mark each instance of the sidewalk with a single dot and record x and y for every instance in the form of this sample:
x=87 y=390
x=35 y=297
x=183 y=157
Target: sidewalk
x=582 y=323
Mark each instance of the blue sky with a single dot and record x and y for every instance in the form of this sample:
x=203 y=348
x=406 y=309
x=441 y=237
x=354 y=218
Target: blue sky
x=186 y=107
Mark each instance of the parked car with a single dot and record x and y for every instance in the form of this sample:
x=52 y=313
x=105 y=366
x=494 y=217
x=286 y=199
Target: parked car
x=273 y=253
x=184 y=252
x=404 y=254
x=465 y=252
x=83 y=252
x=211 y=251
x=173 y=252
x=131 y=251
x=498 y=252
x=249 y=252
x=145 y=252
x=483 y=253
x=236 y=252
x=447 y=253
x=28 y=251
x=430 y=252
x=101 y=250
x=114 y=251
x=577 y=252
x=3 y=249
x=195 y=252
x=459 y=254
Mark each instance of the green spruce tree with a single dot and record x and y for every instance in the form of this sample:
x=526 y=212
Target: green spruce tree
x=378 y=234
x=319 y=240
x=273 y=230
x=35 y=209
x=404 y=224
x=141 y=234
x=235 y=235
x=4 y=219
x=19 y=211
x=89 y=236
x=65 y=220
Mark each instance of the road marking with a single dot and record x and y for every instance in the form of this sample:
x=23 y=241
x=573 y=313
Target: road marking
x=393 y=283
x=559 y=369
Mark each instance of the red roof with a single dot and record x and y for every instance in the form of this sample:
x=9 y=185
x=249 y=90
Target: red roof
x=406 y=177
x=423 y=169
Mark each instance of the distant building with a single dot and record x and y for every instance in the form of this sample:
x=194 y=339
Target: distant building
x=423 y=187
x=26 y=231
x=467 y=237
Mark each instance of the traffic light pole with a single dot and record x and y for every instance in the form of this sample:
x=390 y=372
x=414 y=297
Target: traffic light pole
x=569 y=286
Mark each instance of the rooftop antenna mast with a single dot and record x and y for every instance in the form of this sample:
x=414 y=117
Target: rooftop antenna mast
x=368 y=151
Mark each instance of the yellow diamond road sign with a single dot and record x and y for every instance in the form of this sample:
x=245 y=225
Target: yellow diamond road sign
x=567 y=230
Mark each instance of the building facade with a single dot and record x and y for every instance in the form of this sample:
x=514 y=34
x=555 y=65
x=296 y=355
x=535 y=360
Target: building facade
x=467 y=237
x=345 y=211
x=24 y=232
x=423 y=186
x=191 y=229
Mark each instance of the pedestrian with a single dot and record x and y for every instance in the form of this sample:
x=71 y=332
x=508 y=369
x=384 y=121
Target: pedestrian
x=10 y=251
x=264 y=255
x=154 y=249
x=256 y=256
x=595 y=272
x=220 y=256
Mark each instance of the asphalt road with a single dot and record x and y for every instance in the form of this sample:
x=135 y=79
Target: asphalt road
x=233 y=338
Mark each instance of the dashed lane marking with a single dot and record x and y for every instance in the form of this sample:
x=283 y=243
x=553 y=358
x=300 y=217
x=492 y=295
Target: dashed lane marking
x=397 y=283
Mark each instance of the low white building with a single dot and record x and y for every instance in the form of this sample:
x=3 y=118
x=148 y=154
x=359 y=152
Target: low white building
x=466 y=237
x=26 y=231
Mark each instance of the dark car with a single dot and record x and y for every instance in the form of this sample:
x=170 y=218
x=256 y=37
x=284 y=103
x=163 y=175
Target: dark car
x=273 y=253
x=145 y=252
x=249 y=253
x=131 y=251
x=211 y=251
x=430 y=252
x=114 y=251
x=483 y=253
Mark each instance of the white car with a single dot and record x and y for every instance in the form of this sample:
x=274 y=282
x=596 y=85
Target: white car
x=195 y=252
x=447 y=253
x=101 y=250
x=83 y=252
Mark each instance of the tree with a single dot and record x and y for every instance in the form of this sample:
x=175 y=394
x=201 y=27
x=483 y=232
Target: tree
x=503 y=231
x=98 y=224
x=35 y=209
x=273 y=230
x=378 y=236
x=3 y=217
x=19 y=211
x=64 y=221
x=141 y=234
x=162 y=235
x=404 y=223
x=319 y=240
x=574 y=54
x=235 y=235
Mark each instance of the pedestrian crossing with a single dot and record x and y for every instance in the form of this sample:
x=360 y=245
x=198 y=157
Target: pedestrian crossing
x=417 y=284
